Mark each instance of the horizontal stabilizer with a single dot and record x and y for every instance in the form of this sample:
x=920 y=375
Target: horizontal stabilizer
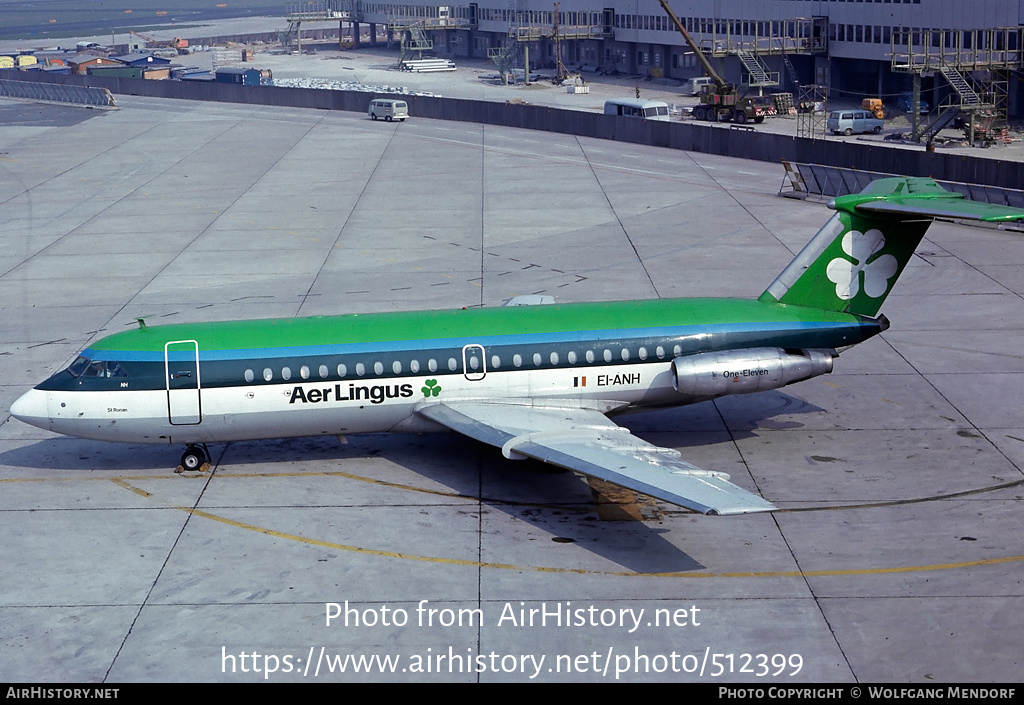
x=921 y=198
x=941 y=208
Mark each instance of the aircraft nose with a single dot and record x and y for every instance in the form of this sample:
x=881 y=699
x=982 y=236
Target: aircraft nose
x=32 y=408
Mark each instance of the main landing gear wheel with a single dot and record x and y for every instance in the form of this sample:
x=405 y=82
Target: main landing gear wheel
x=194 y=459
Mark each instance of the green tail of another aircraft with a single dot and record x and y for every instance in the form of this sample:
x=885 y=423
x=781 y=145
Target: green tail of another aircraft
x=852 y=263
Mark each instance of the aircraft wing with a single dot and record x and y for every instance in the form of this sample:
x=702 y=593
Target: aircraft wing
x=586 y=441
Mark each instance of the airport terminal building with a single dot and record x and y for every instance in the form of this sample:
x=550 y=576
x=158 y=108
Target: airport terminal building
x=857 y=48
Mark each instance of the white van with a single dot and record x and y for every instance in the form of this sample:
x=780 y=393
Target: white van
x=389 y=109
x=847 y=122
x=636 y=107
x=694 y=85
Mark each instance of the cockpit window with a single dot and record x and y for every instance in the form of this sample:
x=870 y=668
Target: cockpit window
x=78 y=366
x=84 y=367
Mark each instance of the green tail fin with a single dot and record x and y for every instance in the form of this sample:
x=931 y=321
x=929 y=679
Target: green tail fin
x=852 y=263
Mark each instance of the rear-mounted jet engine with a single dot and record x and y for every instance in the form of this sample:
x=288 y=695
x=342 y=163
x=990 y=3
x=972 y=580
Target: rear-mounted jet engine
x=716 y=374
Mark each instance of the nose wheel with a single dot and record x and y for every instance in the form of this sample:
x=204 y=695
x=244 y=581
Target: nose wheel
x=194 y=459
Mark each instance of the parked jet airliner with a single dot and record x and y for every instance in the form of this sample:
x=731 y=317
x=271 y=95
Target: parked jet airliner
x=536 y=381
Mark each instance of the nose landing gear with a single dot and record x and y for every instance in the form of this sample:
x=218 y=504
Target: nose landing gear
x=194 y=459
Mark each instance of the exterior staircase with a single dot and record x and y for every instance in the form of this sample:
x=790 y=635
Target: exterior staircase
x=757 y=74
x=968 y=96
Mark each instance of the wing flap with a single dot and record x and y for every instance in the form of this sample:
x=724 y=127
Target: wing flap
x=586 y=441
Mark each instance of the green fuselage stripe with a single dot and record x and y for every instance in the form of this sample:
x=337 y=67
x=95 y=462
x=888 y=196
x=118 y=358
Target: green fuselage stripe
x=467 y=324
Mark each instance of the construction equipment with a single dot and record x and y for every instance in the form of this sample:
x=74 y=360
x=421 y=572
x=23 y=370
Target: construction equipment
x=874 y=106
x=178 y=44
x=721 y=101
x=561 y=72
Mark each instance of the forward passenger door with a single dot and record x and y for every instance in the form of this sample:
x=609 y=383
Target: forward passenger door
x=181 y=372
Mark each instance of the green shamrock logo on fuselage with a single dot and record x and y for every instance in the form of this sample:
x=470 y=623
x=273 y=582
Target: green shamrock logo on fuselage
x=432 y=389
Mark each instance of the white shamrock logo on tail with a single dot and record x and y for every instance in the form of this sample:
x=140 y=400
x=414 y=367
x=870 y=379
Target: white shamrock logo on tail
x=846 y=274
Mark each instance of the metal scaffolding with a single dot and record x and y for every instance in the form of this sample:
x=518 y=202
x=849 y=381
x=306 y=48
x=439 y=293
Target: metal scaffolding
x=319 y=11
x=975 y=64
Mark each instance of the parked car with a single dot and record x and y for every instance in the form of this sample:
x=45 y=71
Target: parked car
x=905 y=102
x=694 y=86
x=847 y=122
x=389 y=109
x=638 y=108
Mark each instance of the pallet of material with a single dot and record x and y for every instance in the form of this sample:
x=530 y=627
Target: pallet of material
x=428 y=65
